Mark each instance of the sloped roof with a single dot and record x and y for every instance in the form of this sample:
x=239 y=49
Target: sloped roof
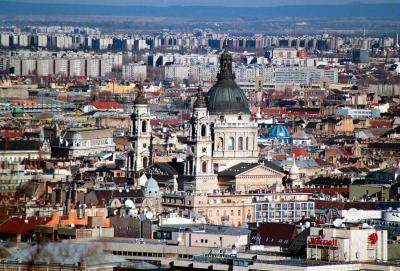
x=243 y=167
x=16 y=225
x=272 y=234
x=107 y=105
x=87 y=133
x=19 y=145
x=301 y=152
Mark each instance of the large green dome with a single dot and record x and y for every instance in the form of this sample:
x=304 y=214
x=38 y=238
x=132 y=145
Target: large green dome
x=226 y=97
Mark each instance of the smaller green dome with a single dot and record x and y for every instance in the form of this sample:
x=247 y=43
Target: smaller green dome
x=17 y=112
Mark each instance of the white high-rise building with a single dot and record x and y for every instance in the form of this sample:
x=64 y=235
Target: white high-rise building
x=45 y=67
x=134 y=71
x=4 y=39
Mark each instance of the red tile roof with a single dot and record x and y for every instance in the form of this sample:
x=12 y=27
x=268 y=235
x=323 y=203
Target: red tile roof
x=319 y=204
x=272 y=234
x=15 y=225
x=298 y=153
x=107 y=105
x=380 y=123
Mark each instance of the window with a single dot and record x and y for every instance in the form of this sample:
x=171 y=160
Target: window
x=217 y=212
x=204 y=167
x=239 y=213
x=190 y=166
x=232 y=213
x=231 y=144
x=247 y=143
x=203 y=130
x=240 y=143
x=144 y=126
x=145 y=160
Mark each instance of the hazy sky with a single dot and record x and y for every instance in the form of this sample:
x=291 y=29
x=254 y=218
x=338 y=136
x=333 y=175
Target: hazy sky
x=206 y=2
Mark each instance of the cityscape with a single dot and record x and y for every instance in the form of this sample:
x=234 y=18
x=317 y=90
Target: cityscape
x=199 y=135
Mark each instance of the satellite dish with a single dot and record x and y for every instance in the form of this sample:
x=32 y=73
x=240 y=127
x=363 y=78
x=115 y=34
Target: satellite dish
x=307 y=224
x=142 y=217
x=149 y=215
x=132 y=212
x=337 y=223
x=365 y=226
x=129 y=204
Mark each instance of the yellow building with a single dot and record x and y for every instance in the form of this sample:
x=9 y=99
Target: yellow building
x=117 y=88
x=230 y=210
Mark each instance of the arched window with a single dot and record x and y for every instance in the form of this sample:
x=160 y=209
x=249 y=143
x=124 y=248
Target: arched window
x=247 y=143
x=204 y=167
x=145 y=161
x=231 y=144
x=240 y=144
x=144 y=126
x=203 y=130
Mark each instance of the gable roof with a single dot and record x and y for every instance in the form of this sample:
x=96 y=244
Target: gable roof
x=244 y=167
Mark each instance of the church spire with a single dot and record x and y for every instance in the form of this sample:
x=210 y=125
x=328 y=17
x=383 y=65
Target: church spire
x=225 y=71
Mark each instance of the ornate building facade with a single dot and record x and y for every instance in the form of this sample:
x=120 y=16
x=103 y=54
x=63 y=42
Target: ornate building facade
x=222 y=134
x=199 y=172
x=233 y=133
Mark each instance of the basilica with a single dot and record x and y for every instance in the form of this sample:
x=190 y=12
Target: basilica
x=222 y=148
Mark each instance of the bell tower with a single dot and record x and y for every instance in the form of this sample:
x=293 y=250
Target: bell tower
x=199 y=172
x=139 y=134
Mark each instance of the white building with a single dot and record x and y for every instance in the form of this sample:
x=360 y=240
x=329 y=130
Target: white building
x=358 y=113
x=44 y=67
x=352 y=244
x=134 y=71
x=5 y=39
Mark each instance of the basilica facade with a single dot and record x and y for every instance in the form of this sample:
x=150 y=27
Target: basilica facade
x=222 y=136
